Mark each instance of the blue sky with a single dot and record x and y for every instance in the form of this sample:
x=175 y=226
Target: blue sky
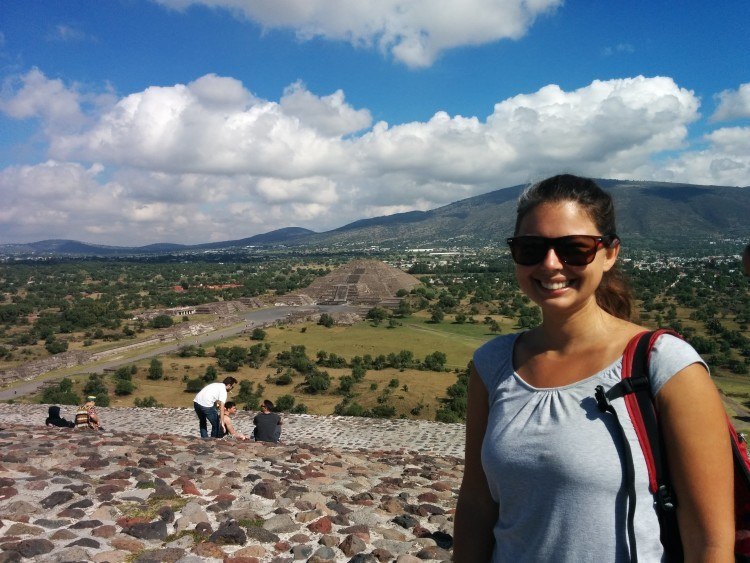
x=138 y=121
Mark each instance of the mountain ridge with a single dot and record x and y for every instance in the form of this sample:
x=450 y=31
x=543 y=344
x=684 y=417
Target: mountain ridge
x=647 y=212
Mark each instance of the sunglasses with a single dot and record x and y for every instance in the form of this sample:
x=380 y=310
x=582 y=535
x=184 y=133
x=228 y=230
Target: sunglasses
x=573 y=250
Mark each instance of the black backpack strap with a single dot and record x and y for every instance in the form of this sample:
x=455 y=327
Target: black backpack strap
x=605 y=405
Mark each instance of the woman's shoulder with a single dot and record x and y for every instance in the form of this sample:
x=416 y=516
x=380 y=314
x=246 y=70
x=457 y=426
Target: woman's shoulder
x=498 y=346
x=495 y=357
x=670 y=355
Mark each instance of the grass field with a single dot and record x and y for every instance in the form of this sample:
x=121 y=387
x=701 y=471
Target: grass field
x=416 y=391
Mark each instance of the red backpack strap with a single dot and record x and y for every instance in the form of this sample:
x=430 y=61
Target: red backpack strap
x=640 y=404
x=635 y=389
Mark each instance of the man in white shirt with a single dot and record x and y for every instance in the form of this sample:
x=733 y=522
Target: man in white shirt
x=205 y=404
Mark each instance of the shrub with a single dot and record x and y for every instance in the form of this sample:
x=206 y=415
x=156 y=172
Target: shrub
x=124 y=387
x=194 y=385
x=383 y=411
x=318 y=381
x=147 y=402
x=161 y=321
x=210 y=374
x=155 y=370
x=258 y=334
x=124 y=373
x=326 y=320
x=61 y=394
x=285 y=378
x=285 y=403
x=55 y=346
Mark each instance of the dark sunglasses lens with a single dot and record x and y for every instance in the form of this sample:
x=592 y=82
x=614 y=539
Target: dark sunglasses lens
x=576 y=250
x=528 y=251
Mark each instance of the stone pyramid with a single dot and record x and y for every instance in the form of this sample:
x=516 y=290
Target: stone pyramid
x=360 y=282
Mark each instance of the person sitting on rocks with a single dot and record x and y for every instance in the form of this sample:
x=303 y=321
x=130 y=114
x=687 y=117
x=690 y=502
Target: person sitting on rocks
x=86 y=416
x=54 y=419
x=230 y=408
x=267 y=424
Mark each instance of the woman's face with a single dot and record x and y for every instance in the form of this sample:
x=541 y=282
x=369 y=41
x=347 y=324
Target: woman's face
x=554 y=286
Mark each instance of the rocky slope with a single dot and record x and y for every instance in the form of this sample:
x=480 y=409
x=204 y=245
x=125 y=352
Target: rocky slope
x=72 y=495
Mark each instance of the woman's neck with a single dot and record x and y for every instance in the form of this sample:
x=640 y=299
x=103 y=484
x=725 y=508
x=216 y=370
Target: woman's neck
x=583 y=327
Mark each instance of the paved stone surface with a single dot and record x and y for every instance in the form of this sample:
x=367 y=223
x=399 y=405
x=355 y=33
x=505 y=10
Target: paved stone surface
x=127 y=495
x=342 y=432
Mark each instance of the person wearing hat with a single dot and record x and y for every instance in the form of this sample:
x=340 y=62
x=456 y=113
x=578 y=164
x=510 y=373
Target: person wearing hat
x=86 y=416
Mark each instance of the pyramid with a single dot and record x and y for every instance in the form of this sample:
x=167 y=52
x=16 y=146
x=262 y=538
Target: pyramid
x=361 y=282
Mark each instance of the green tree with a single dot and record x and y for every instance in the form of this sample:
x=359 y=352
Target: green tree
x=377 y=315
x=147 y=402
x=61 y=394
x=55 y=346
x=437 y=315
x=258 y=334
x=155 y=370
x=210 y=375
x=124 y=387
x=194 y=385
x=161 y=321
x=435 y=361
x=326 y=320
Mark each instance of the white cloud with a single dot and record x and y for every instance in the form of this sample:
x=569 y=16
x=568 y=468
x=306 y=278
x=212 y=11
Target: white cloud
x=33 y=95
x=726 y=161
x=212 y=125
x=330 y=115
x=67 y=34
x=620 y=48
x=414 y=32
x=733 y=104
x=209 y=160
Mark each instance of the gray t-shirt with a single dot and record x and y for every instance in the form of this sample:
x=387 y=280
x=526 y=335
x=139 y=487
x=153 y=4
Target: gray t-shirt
x=555 y=464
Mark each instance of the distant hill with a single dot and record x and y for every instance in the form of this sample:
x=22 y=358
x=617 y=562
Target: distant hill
x=649 y=215
x=75 y=248
x=657 y=215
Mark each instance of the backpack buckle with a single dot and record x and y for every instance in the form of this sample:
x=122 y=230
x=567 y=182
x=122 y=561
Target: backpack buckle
x=602 y=401
x=664 y=499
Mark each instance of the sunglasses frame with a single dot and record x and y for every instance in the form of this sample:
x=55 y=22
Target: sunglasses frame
x=600 y=241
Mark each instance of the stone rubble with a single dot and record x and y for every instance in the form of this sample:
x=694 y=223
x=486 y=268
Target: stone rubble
x=122 y=495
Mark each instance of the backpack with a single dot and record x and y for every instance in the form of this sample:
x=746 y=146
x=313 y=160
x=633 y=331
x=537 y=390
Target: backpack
x=82 y=418
x=635 y=388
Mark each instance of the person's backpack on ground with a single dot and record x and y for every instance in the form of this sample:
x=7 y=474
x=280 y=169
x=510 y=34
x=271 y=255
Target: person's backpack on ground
x=54 y=419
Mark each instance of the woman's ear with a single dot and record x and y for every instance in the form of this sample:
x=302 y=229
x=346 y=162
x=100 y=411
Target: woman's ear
x=610 y=255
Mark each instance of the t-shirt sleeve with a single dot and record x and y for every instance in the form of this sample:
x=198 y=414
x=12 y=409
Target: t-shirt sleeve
x=223 y=394
x=669 y=356
x=492 y=361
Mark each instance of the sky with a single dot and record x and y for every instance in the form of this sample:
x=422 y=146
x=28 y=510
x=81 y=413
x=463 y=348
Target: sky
x=131 y=122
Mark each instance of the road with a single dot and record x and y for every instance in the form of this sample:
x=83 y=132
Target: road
x=251 y=319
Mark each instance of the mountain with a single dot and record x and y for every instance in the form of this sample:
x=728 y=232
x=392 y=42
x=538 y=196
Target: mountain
x=75 y=248
x=657 y=215
x=649 y=215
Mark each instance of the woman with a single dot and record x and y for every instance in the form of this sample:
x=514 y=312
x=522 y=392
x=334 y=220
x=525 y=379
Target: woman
x=543 y=478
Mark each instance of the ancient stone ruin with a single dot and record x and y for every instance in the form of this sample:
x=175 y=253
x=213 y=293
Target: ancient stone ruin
x=361 y=282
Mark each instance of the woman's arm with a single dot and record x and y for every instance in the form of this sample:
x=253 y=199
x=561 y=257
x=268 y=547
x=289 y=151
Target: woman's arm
x=476 y=512
x=700 y=460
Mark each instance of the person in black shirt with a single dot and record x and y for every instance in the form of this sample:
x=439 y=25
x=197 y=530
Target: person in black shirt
x=267 y=424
